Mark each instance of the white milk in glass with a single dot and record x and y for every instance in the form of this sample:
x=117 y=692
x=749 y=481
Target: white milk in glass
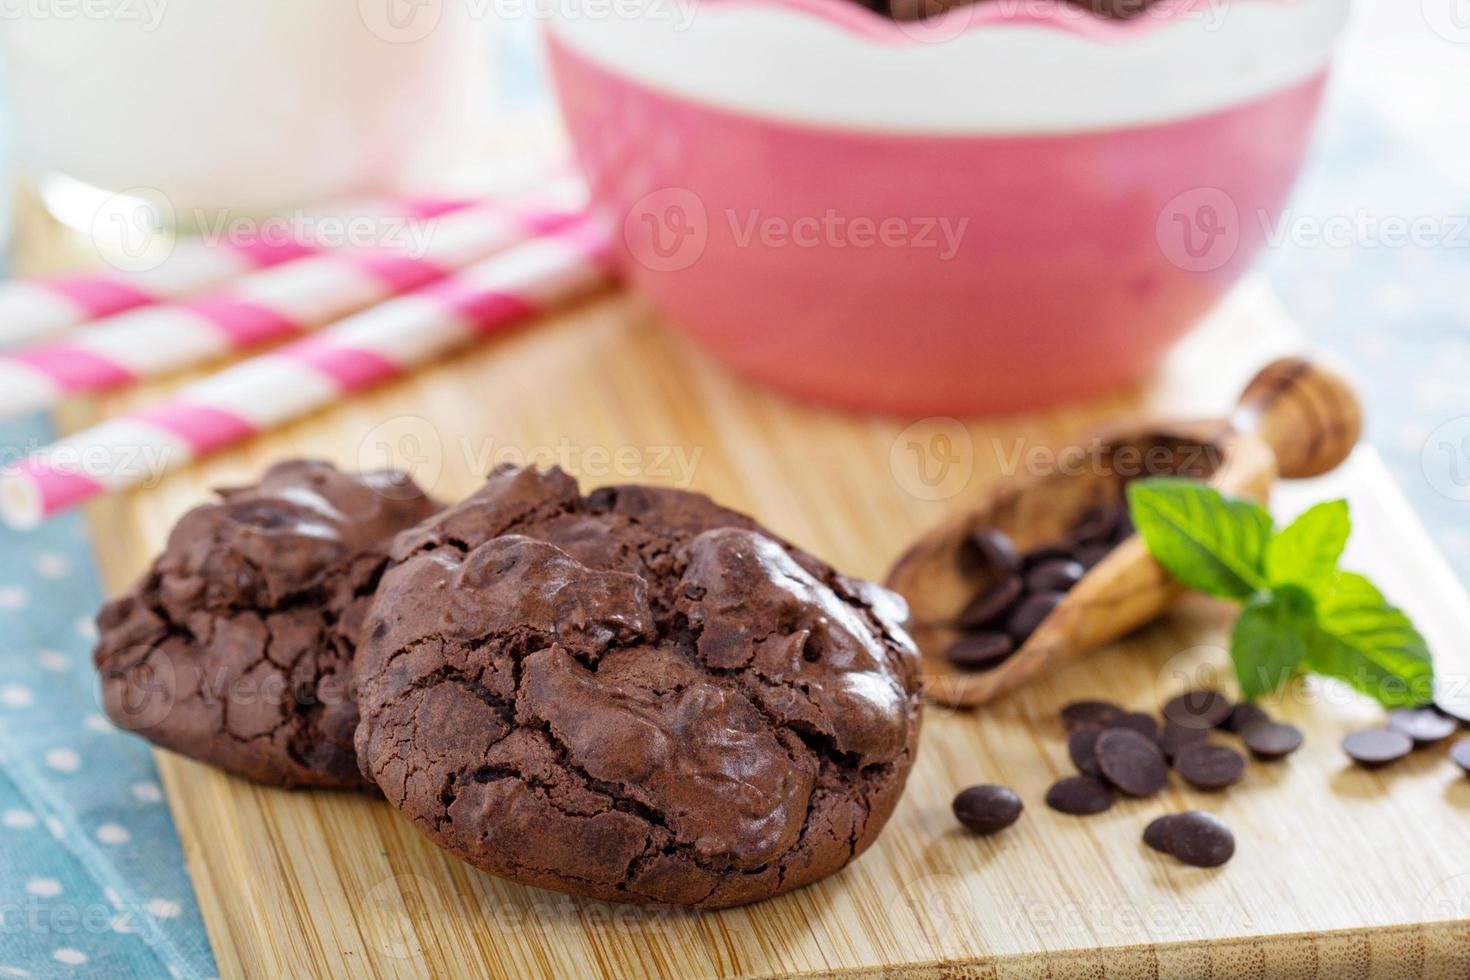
x=242 y=104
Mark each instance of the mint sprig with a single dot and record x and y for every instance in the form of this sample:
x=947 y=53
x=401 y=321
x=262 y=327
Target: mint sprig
x=1299 y=610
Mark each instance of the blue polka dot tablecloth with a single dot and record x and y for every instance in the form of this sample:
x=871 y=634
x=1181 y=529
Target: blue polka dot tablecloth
x=92 y=878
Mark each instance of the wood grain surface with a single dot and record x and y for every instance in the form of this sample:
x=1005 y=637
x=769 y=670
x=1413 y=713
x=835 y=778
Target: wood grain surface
x=1339 y=872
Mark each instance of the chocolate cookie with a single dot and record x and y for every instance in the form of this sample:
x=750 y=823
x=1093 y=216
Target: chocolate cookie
x=235 y=647
x=636 y=695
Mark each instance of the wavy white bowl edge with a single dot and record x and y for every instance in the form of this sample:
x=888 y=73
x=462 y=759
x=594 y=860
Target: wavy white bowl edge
x=789 y=63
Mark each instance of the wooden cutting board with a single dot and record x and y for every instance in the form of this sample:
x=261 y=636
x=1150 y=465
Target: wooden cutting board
x=1339 y=872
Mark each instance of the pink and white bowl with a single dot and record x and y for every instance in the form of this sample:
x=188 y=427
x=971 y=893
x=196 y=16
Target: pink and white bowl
x=1010 y=205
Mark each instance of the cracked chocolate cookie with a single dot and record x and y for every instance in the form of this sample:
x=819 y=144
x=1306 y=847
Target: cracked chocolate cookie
x=636 y=695
x=235 y=646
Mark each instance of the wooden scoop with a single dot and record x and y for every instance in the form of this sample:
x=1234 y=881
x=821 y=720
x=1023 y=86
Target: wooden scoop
x=1295 y=419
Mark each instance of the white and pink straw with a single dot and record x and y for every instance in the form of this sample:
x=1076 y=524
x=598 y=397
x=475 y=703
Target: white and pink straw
x=266 y=391
x=36 y=308
x=271 y=304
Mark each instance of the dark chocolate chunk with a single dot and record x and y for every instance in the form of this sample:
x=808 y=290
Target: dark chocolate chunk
x=1176 y=738
x=1206 y=766
x=1079 y=795
x=1094 y=714
x=1460 y=754
x=1044 y=554
x=1144 y=724
x=1203 y=708
x=1272 y=739
x=980 y=650
x=1131 y=762
x=1056 y=575
x=988 y=808
x=1374 y=747
x=1154 y=835
x=991 y=603
x=1424 y=725
x=1243 y=716
x=1082 y=747
x=1029 y=614
x=1198 y=838
x=1091 y=554
x=995 y=550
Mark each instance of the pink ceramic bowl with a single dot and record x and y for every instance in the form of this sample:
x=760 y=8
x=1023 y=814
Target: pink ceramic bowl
x=1012 y=205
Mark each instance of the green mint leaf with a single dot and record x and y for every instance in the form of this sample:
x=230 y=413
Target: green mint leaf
x=1306 y=551
x=1209 y=542
x=1371 y=645
x=1270 y=638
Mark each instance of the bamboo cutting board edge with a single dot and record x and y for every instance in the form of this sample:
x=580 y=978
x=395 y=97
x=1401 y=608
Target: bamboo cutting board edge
x=328 y=885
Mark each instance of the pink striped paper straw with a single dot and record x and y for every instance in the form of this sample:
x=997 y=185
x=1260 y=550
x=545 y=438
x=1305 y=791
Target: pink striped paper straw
x=35 y=308
x=274 y=388
x=271 y=304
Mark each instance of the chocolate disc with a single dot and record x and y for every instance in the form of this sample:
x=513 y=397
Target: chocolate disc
x=1055 y=575
x=1029 y=614
x=1243 y=716
x=1155 y=834
x=1082 y=748
x=1176 y=737
x=1424 y=725
x=990 y=604
x=1199 y=709
x=1272 y=739
x=1096 y=714
x=1080 y=796
x=1374 y=747
x=980 y=650
x=1210 y=767
x=1144 y=724
x=988 y=808
x=1131 y=762
x=1199 y=839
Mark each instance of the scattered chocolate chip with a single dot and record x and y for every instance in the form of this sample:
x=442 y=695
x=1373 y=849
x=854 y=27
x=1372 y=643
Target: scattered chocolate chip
x=1029 y=614
x=1424 y=725
x=1272 y=739
x=1144 y=724
x=1211 y=767
x=1198 y=838
x=1175 y=738
x=1091 y=554
x=981 y=650
x=1056 y=575
x=1079 y=795
x=988 y=808
x=1154 y=833
x=1096 y=714
x=990 y=603
x=1374 y=747
x=1082 y=748
x=1244 y=715
x=1203 y=708
x=995 y=550
x=1460 y=753
x=1131 y=762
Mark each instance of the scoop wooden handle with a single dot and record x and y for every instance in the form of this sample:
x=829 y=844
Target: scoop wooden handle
x=1308 y=414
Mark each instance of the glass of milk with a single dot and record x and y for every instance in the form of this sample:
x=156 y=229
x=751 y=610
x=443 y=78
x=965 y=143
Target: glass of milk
x=247 y=106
